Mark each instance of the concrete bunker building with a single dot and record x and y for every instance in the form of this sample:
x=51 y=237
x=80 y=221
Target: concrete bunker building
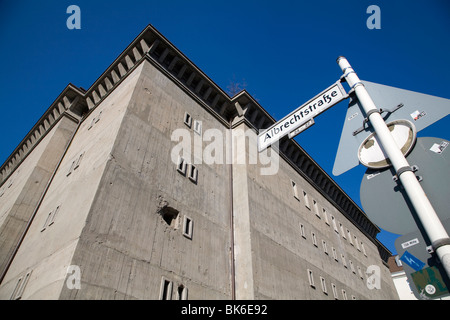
x=92 y=188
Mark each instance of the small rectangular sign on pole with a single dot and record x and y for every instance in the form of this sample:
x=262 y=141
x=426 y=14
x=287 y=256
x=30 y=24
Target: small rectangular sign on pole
x=324 y=100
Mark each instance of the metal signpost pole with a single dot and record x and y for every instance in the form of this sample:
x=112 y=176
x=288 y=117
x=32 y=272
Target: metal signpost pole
x=425 y=211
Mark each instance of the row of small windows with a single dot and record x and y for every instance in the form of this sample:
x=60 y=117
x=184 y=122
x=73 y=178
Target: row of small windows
x=172 y=291
x=188 y=170
x=324 y=287
x=333 y=251
x=75 y=164
x=353 y=240
x=50 y=219
x=95 y=120
x=20 y=286
x=197 y=123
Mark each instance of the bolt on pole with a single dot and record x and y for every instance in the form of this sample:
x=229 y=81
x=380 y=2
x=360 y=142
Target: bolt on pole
x=424 y=210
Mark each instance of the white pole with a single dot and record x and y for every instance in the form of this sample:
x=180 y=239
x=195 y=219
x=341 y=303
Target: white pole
x=425 y=211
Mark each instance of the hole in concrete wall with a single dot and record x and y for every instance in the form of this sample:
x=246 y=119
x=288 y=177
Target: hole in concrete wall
x=170 y=216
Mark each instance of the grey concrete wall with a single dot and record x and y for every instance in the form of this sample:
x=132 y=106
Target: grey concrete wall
x=48 y=252
x=126 y=248
x=282 y=256
x=22 y=191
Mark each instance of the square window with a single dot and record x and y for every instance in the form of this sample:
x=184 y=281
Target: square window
x=305 y=197
x=324 y=245
x=314 y=239
x=20 y=286
x=165 y=292
x=294 y=189
x=187 y=227
x=182 y=292
x=311 y=278
x=181 y=165
x=334 y=289
x=198 y=127
x=316 y=209
x=302 y=231
x=78 y=161
x=323 y=285
x=325 y=215
x=193 y=173
x=187 y=119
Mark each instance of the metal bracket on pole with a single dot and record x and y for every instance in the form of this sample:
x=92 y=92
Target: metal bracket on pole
x=399 y=172
x=440 y=243
x=390 y=111
x=381 y=111
x=366 y=120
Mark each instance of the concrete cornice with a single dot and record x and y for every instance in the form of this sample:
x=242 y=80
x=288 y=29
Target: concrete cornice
x=69 y=103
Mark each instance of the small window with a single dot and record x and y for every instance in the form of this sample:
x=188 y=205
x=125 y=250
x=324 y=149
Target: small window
x=305 y=197
x=342 y=230
x=352 y=267
x=165 y=292
x=353 y=297
x=78 y=161
x=349 y=237
x=187 y=227
x=344 y=262
x=49 y=216
x=333 y=221
x=50 y=219
x=71 y=168
x=182 y=292
x=181 y=165
x=294 y=189
x=97 y=119
x=360 y=272
x=344 y=294
x=193 y=173
x=363 y=249
x=325 y=216
x=302 y=231
x=323 y=285
x=187 y=119
x=20 y=287
x=335 y=256
x=54 y=213
x=334 y=289
x=356 y=243
x=198 y=127
x=314 y=239
x=316 y=209
x=311 y=278
x=92 y=124
x=324 y=246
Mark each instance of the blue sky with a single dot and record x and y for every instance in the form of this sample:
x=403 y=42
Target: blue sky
x=285 y=52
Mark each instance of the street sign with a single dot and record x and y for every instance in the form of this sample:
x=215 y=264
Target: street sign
x=421 y=109
x=385 y=201
x=321 y=102
x=425 y=274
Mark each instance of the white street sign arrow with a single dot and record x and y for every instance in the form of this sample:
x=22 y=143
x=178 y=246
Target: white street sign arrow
x=324 y=100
